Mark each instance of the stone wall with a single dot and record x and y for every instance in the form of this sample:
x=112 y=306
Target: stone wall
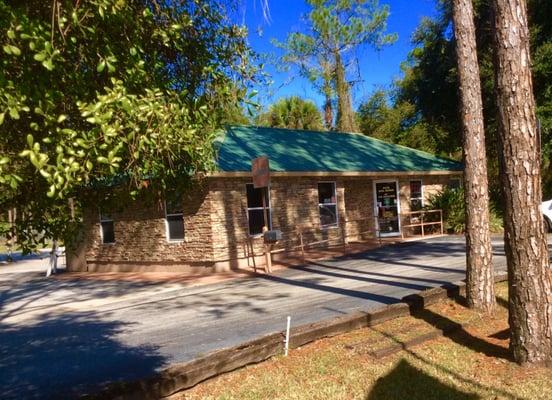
x=141 y=241
x=216 y=229
x=293 y=202
x=359 y=202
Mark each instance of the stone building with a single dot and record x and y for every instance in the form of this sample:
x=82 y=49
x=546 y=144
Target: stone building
x=329 y=185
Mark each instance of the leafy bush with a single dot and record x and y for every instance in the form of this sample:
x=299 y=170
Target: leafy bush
x=451 y=201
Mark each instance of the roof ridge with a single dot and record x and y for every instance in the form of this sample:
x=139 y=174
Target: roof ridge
x=279 y=128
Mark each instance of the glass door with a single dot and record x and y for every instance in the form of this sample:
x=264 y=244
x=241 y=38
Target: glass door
x=387 y=208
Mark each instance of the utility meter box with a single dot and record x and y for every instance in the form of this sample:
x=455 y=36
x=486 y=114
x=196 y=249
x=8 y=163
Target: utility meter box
x=272 y=236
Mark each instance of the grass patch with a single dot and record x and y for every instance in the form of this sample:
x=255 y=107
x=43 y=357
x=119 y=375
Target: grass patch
x=469 y=363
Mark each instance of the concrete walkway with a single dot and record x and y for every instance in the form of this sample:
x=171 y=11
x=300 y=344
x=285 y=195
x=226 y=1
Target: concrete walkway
x=60 y=338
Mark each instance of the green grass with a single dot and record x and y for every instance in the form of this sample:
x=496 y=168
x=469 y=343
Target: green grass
x=472 y=363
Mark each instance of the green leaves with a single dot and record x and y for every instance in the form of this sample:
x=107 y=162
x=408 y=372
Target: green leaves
x=293 y=113
x=11 y=49
x=40 y=56
x=48 y=64
x=112 y=87
x=336 y=30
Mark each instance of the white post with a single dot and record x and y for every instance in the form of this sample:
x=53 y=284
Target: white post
x=286 y=348
x=52 y=262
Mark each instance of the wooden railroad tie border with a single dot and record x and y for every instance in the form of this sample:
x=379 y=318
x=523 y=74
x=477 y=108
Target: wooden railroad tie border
x=416 y=341
x=186 y=375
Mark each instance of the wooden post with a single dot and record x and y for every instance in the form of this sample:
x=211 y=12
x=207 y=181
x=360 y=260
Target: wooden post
x=344 y=238
x=268 y=256
x=250 y=249
x=302 y=245
x=265 y=213
x=442 y=229
x=422 y=214
x=376 y=227
x=10 y=242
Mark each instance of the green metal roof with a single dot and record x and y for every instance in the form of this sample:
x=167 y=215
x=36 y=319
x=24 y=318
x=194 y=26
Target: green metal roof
x=311 y=151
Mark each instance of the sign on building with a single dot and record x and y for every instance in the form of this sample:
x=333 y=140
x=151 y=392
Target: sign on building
x=260 y=170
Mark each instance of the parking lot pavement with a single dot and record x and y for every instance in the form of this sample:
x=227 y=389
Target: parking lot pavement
x=64 y=337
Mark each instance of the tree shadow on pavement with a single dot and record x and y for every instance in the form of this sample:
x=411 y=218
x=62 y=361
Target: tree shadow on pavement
x=31 y=292
x=408 y=382
x=68 y=355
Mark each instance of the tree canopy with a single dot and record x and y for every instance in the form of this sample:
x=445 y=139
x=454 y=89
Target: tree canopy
x=101 y=88
x=428 y=89
x=292 y=112
x=325 y=50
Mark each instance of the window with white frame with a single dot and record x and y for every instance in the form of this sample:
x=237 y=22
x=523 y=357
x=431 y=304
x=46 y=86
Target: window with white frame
x=255 y=212
x=327 y=204
x=174 y=218
x=107 y=229
x=416 y=195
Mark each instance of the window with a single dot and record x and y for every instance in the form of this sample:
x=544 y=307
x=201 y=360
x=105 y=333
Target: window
x=107 y=229
x=416 y=195
x=255 y=213
x=327 y=204
x=174 y=218
x=454 y=183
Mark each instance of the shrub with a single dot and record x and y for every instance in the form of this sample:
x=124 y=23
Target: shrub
x=451 y=201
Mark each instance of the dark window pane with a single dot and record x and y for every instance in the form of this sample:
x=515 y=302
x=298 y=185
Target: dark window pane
x=176 y=227
x=454 y=184
x=255 y=196
x=108 y=232
x=326 y=192
x=256 y=221
x=415 y=189
x=328 y=215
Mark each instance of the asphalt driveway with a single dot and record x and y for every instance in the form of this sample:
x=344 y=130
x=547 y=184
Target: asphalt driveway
x=61 y=338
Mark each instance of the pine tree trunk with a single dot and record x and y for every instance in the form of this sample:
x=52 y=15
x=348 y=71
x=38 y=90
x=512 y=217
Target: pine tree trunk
x=328 y=113
x=327 y=76
x=479 y=253
x=530 y=286
x=345 y=115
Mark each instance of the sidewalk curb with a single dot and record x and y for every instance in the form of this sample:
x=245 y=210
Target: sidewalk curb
x=186 y=375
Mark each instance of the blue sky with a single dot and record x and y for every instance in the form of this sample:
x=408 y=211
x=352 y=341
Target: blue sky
x=377 y=68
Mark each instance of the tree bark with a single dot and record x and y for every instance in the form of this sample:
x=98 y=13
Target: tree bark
x=530 y=286
x=11 y=236
x=345 y=115
x=328 y=113
x=327 y=76
x=479 y=253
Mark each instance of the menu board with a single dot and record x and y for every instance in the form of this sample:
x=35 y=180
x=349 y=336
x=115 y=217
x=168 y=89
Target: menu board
x=386 y=198
x=386 y=194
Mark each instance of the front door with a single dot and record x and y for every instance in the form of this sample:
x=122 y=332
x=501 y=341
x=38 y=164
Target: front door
x=387 y=207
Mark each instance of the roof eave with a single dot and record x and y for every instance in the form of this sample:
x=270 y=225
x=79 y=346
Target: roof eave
x=247 y=174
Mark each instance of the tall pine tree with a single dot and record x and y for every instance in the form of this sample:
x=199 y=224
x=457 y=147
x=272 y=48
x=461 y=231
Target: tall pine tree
x=530 y=284
x=479 y=255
